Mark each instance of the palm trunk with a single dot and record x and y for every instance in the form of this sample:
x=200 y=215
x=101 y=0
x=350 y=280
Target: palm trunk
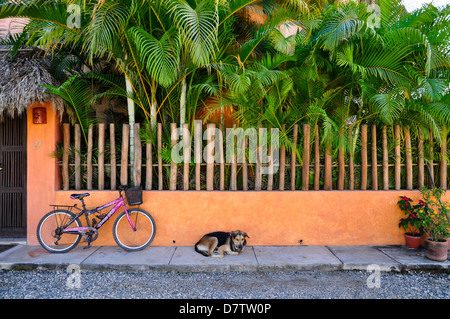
x=154 y=106
x=183 y=102
x=131 y=121
x=153 y=111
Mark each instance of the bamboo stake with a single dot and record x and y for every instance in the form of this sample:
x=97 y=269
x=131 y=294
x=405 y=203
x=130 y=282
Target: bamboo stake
x=420 y=162
x=351 y=167
x=397 y=178
x=431 y=156
x=385 y=159
x=364 y=156
x=173 y=165
x=66 y=146
x=210 y=156
x=149 y=165
x=101 y=156
x=198 y=155
x=282 y=168
x=77 y=157
x=124 y=156
x=233 y=177
x=327 y=183
x=341 y=163
x=221 y=159
x=316 y=159
x=351 y=172
x=186 y=156
x=306 y=156
x=89 y=157
x=245 y=166
x=443 y=161
x=408 y=157
x=293 y=156
x=112 y=143
x=374 y=158
x=258 y=176
x=160 y=164
x=137 y=165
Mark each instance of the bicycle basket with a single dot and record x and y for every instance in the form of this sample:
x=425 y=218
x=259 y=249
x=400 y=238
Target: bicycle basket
x=134 y=195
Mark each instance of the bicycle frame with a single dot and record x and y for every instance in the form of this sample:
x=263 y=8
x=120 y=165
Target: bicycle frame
x=117 y=204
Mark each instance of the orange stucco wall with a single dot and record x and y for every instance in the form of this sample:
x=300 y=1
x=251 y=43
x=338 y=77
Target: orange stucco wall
x=42 y=169
x=269 y=218
x=182 y=217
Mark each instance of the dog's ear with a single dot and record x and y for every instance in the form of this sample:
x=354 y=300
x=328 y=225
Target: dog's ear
x=238 y=232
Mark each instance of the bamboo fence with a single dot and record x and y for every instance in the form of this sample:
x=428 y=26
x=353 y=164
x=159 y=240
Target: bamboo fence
x=379 y=162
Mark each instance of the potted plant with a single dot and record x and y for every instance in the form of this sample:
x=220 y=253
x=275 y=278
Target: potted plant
x=412 y=223
x=436 y=223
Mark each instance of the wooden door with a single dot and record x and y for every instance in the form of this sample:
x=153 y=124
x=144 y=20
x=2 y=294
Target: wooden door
x=13 y=176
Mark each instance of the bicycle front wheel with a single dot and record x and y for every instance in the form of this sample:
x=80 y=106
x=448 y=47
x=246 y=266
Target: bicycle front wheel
x=137 y=237
x=50 y=231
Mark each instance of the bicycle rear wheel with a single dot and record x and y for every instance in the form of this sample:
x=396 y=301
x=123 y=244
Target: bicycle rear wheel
x=134 y=239
x=50 y=235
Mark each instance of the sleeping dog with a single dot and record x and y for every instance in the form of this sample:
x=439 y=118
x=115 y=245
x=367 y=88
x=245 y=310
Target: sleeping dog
x=218 y=244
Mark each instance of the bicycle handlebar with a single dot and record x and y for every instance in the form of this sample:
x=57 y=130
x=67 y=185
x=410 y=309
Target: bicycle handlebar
x=122 y=188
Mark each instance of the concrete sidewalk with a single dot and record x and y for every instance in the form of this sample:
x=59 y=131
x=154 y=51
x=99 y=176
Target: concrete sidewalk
x=254 y=258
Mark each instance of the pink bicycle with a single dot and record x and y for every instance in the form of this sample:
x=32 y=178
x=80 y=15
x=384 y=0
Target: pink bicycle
x=61 y=230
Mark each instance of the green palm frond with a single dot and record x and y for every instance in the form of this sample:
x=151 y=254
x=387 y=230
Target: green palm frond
x=47 y=26
x=434 y=89
x=238 y=82
x=345 y=58
x=420 y=117
x=285 y=45
x=198 y=27
x=340 y=26
x=77 y=96
x=159 y=56
x=382 y=62
x=439 y=111
x=250 y=48
x=108 y=20
x=388 y=105
x=51 y=12
x=390 y=12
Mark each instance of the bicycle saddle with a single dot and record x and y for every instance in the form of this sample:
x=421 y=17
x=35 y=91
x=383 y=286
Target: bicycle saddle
x=79 y=196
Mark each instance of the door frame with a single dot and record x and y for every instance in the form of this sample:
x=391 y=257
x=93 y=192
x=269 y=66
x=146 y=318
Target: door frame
x=16 y=232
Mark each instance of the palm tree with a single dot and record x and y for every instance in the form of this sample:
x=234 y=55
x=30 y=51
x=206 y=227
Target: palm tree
x=346 y=70
x=49 y=27
x=387 y=73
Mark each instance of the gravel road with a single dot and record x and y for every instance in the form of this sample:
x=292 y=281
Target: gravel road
x=231 y=285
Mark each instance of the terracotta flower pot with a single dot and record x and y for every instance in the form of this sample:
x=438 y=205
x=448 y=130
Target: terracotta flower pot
x=412 y=241
x=436 y=250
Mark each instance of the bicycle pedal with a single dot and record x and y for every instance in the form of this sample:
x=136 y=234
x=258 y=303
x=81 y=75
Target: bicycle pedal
x=86 y=247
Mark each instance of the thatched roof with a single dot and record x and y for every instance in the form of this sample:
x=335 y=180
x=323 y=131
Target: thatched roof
x=20 y=82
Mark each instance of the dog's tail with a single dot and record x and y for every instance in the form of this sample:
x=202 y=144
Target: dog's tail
x=202 y=252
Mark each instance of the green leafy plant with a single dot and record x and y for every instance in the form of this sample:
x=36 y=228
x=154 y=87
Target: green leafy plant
x=435 y=214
